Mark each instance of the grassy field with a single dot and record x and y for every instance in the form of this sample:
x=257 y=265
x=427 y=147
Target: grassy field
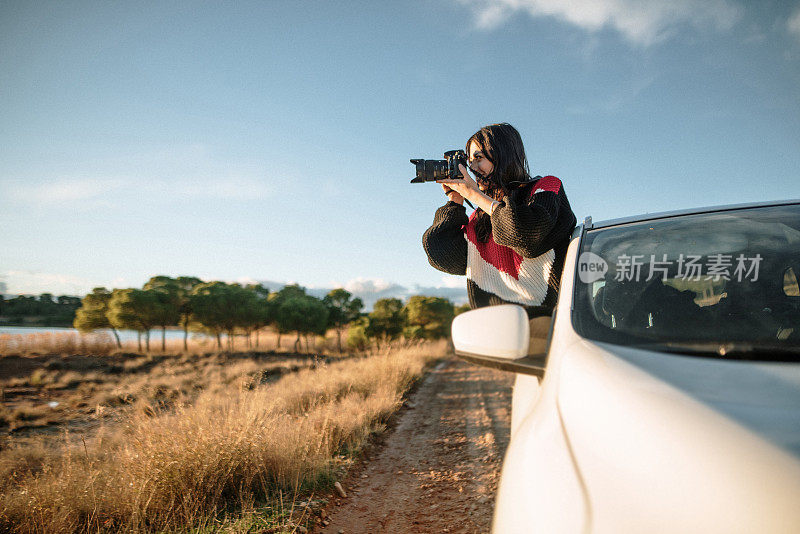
x=198 y=441
x=52 y=378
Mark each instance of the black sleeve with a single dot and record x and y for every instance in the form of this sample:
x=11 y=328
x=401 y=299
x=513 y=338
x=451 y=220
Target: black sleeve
x=531 y=220
x=444 y=241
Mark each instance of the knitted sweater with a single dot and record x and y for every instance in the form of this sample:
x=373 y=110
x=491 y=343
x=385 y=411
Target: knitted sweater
x=522 y=261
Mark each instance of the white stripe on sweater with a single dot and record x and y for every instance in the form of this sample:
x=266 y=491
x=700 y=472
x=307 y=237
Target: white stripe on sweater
x=531 y=287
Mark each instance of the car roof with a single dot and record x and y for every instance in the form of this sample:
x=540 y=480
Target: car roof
x=590 y=225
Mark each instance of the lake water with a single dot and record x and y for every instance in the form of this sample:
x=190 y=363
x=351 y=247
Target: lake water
x=124 y=335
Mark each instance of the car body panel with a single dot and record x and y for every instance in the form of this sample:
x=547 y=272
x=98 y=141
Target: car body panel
x=761 y=396
x=616 y=439
x=629 y=433
x=538 y=453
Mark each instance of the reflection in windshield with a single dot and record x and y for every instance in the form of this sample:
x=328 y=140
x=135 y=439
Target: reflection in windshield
x=705 y=280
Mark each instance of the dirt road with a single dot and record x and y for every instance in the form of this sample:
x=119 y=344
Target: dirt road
x=437 y=470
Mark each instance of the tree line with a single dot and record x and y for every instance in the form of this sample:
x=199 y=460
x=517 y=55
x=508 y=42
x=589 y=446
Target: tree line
x=216 y=308
x=47 y=310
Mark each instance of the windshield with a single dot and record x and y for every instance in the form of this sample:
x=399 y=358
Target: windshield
x=719 y=284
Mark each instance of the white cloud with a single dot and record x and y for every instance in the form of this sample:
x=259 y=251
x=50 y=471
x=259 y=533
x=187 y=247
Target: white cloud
x=615 y=100
x=793 y=24
x=643 y=22
x=456 y=295
x=368 y=285
x=222 y=188
x=370 y=290
x=182 y=173
x=452 y=280
x=246 y=281
x=61 y=190
x=491 y=15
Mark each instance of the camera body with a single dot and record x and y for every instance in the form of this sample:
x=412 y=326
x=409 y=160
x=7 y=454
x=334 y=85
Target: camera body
x=430 y=170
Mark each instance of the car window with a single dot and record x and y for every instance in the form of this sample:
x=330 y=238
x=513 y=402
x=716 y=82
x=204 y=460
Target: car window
x=720 y=283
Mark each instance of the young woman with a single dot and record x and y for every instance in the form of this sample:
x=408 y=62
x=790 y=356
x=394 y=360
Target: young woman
x=512 y=247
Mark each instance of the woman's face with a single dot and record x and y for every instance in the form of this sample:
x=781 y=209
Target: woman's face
x=478 y=162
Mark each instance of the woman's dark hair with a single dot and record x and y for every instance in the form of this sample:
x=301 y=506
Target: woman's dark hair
x=502 y=145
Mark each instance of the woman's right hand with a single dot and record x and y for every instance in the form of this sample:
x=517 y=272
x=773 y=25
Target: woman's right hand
x=453 y=195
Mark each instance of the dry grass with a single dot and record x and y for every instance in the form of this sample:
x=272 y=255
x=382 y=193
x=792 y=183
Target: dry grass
x=41 y=391
x=213 y=462
x=51 y=378
x=57 y=343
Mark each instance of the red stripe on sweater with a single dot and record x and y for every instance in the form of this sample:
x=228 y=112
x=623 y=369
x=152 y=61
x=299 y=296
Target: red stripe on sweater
x=546 y=183
x=503 y=258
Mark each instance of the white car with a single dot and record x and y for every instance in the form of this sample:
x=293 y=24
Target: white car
x=664 y=394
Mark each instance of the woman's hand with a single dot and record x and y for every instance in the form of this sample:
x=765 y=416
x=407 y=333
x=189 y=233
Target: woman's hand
x=464 y=186
x=453 y=195
x=467 y=188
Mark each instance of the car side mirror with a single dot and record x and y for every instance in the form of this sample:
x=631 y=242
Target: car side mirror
x=498 y=337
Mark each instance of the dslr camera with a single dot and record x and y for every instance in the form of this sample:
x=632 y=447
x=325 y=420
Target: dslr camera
x=430 y=170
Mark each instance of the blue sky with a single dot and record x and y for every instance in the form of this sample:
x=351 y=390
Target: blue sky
x=270 y=140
